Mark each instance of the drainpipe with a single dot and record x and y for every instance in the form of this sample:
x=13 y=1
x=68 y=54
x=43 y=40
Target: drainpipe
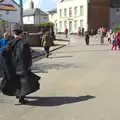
x=21 y=15
x=87 y=10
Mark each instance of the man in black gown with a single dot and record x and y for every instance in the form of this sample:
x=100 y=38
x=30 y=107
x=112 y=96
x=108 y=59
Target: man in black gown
x=18 y=79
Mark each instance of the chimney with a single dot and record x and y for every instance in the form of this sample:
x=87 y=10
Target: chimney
x=31 y=4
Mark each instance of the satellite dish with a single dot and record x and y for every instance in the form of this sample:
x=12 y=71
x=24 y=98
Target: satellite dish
x=1 y=1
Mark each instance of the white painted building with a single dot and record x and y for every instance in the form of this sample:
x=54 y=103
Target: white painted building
x=72 y=14
x=34 y=15
x=10 y=11
x=53 y=17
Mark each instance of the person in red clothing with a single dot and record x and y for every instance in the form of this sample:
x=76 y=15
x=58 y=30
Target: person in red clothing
x=114 y=42
x=66 y=32
x=118 y=39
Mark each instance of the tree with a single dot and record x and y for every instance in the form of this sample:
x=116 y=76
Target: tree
x=116 y=28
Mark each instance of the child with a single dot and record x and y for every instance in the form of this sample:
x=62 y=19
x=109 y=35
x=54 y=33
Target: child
x=109 y=37
x=114 y=43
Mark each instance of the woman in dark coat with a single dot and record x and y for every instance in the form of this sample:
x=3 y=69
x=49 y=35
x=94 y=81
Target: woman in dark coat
x=18 y=79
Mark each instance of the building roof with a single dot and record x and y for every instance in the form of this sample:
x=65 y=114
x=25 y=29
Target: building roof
x=8 y=7
x=52 y=10
x=33 y=11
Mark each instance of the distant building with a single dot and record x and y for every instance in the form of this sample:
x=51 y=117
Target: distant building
x=114 y=12
x=72 y=14
x=10 y=11
x=53 y=17
x=87 y=14
x=98 y=13
x=34 y=15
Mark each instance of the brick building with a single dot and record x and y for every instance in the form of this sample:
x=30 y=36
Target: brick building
x=98 y=13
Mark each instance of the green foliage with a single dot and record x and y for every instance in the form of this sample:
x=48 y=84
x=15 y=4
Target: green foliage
x=46 y=24
x=1 y=20
x=116 y=28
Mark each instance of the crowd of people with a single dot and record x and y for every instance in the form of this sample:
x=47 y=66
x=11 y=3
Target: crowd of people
x=112 y=37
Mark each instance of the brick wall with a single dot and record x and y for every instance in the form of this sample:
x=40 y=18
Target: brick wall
x=99 y=14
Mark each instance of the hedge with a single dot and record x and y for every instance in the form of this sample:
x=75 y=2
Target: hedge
x=46 y=24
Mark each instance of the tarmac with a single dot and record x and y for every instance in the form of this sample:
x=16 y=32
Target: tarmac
x=78 y=82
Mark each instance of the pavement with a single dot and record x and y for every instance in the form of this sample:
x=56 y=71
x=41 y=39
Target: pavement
x=78 y=82
x=39 y=51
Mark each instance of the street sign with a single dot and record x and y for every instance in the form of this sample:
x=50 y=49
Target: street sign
x=1 y=1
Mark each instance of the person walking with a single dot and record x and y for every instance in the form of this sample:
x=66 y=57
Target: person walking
x=118 y=39
x=109 y=36
x=66 y=32
x=114 y=42
x=3 y=41
x=46 y=42
x=103 y=34
x=18 y=79
x=40 y=35
x=79 y=31
x=87 y=37
x=52 y=36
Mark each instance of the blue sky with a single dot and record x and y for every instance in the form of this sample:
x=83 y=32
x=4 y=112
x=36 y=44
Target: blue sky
x=42 y=4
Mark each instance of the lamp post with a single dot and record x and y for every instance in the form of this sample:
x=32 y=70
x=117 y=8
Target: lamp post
x=21 y=14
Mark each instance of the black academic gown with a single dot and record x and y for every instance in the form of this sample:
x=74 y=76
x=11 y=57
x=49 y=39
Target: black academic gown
x=18 y=79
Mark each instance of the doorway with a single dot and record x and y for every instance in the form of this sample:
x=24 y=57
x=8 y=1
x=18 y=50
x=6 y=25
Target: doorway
x=70 y=26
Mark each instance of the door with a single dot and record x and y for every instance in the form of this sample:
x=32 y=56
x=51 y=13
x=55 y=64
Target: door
x=70 y=26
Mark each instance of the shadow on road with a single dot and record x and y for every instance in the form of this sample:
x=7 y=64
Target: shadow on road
x=85 y=51
x=43 y=67
x=61 y=57
x=99 y=44
x=57 y=101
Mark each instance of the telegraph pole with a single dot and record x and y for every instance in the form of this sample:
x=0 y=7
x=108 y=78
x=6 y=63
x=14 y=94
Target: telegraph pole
x=21 y=14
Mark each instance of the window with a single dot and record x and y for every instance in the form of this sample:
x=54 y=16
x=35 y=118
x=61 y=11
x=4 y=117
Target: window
x=65 y=24
x=60 y=13
x=7 y=12
x=117 y=10
x=75 y=24
x=65 y=12
x=81 y=10
x=81 y=23
x=70 y=12
x=28 y=18
x=45 y=18
x=60 y=24
x=52 y=15
x=75 y=11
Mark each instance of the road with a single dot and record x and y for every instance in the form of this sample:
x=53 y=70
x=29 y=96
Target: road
x=78 y=82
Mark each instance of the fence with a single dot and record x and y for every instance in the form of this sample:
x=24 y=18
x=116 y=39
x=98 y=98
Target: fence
x=8 y=27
